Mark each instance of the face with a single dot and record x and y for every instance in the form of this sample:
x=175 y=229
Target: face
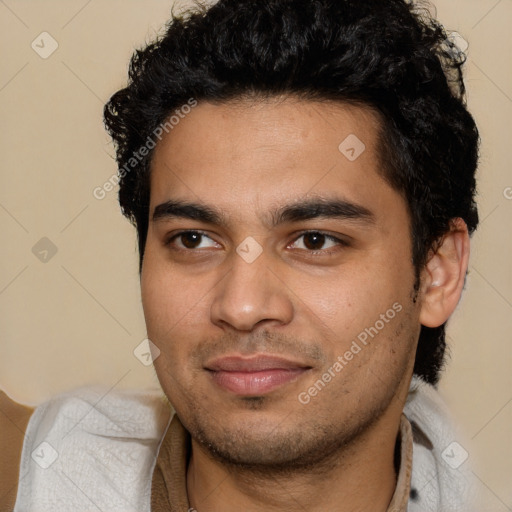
x=277 y=279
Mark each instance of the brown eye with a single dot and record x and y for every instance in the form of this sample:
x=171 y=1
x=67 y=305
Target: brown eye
x=318 y=242
x=190 y=239
x=314 y=241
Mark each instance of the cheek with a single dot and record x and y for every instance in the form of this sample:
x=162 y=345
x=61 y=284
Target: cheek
x=166 y=298
x=167 y=310
x=354 y=293
x=176 y=312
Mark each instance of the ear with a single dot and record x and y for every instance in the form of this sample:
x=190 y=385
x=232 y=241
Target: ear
x=444 y=275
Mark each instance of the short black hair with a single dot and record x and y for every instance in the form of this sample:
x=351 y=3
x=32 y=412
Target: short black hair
x=389 y=55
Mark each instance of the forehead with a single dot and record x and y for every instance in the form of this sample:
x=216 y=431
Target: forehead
x=248 y=155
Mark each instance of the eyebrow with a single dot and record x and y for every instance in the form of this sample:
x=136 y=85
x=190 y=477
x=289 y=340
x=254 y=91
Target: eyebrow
x=300 y=211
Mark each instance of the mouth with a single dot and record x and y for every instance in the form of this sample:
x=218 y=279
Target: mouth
x=256 y=375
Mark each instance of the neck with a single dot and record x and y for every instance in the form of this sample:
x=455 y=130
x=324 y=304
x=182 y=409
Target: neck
x=359 y=477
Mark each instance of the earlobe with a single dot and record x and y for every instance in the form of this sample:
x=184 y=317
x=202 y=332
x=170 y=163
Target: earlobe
x=444 y=275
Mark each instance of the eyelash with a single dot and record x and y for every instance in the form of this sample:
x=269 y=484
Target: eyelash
x=338 y=241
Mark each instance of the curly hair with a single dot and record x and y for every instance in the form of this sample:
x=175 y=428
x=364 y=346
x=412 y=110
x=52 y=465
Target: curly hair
x=391 y=56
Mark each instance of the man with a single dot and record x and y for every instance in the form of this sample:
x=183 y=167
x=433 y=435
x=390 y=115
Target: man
x=301 y=177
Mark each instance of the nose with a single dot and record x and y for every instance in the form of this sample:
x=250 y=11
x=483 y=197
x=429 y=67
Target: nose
x=251 y=295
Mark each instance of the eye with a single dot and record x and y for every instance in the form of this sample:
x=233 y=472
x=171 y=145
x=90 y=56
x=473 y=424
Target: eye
x=189 y=240
x=316 y=241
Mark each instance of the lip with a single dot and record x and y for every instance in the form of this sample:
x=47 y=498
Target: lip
x=255 y=375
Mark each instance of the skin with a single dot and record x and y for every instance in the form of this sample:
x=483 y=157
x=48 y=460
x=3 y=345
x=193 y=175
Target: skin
x=303 y=298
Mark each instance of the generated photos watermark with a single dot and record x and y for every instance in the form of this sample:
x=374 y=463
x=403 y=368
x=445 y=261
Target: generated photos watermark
x=357 y=346
x=150 y=143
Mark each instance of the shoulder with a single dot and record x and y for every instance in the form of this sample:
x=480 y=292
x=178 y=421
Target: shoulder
x=96 y=440
x=441 y=475
x=14 y=418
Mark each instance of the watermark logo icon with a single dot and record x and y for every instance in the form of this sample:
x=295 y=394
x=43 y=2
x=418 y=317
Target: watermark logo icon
x=249 y=250
x=44 y=455
x=454 y=455
x=44 y=45
x=146 y=352
x=44 y=250
x=352 y=147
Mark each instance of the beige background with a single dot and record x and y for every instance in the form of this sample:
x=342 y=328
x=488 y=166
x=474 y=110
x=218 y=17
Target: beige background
x=76 y=318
